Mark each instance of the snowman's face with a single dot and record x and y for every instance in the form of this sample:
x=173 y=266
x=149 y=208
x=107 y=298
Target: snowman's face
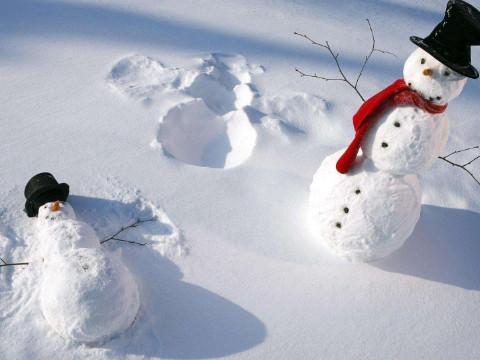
x=431 y=79
x=54 y=211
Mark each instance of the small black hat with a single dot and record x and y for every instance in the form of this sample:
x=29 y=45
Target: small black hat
x=451 y=40
x=43 y=188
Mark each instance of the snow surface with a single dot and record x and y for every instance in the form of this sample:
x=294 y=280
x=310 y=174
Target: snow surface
x=231 y=269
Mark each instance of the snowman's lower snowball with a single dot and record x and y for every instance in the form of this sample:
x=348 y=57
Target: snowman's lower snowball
x=88 y=296
x=364 y=215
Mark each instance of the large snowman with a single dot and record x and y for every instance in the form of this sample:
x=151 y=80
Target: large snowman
x=86 y=295
x=365 y=200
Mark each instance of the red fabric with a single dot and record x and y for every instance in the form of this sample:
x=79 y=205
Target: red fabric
x=397 y=94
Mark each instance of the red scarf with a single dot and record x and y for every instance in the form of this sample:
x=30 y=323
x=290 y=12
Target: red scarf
x=397 y=94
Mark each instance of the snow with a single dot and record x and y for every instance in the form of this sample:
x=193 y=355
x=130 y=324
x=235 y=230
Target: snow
x=366 y=214
x=415 y=138
x=86 y=294
x=231 y=269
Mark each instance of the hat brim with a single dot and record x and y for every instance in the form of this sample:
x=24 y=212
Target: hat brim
x=61 y=189
x=468 y=71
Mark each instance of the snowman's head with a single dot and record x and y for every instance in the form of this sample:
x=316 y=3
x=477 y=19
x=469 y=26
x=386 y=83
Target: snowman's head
x=52 y=212
x=431 y=79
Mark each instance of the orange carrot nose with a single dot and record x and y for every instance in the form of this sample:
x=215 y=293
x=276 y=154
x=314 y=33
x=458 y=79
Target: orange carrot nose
x=427 y=72
x=55 y=206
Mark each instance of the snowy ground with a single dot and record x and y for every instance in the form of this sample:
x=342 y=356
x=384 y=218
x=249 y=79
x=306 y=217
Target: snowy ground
x=191 y=110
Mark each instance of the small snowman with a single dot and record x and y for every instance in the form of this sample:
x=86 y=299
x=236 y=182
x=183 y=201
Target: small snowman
x=86 y=295
x=364 y=206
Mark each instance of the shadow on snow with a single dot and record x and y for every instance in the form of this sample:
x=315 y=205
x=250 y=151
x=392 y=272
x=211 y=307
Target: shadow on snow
x=177 y=320
x=443 y=248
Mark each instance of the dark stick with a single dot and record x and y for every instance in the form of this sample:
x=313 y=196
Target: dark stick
x=343 y=77
x=129 y=241
x=463 y=166
x=4 y=263
x=137 y=223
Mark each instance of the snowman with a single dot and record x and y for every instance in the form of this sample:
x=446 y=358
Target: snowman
x=86 y=295
x=365 y=200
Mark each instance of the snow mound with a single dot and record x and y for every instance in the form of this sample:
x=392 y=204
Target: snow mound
x=359 y=230
x=230 y=69
x=88 y=296
x=223 y=82
x=142 y=77
x=299 y=114
x=194 y=134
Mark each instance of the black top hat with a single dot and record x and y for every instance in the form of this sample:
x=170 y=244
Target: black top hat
x=450 y=41
x=43 y=188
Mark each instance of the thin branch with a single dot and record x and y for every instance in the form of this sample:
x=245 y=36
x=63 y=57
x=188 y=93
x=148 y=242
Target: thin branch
x=471 y=161
x=4 y=263
x=464 y=166
x=137 y=223
x=335 y=57
x=463 y=150
x=302 y=74
x=129 y=241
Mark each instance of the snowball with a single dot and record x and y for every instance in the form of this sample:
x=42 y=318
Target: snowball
x=364 y=215
x=59 y=231
x=88 y=296
x=441 y=86
x=406 y=140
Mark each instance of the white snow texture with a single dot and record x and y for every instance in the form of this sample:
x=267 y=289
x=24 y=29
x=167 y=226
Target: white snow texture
x=107 y=95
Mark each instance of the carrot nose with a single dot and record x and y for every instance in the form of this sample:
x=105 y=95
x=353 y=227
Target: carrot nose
x=427 y=72
x=55 y=206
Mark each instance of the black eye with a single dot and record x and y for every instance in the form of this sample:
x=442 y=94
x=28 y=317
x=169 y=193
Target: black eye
x=446 y=73
x=422 y=61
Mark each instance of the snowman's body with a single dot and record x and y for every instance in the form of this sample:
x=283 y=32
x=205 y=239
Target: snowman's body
x=406 y=140
x=86 y=295
x=369 y=212
x=365 y=214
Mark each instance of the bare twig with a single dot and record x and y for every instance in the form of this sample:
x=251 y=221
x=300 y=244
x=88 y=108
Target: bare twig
x=463 y=166
x=137 y=223
x=4 y=263
x=460 y=151
x=343 y=77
